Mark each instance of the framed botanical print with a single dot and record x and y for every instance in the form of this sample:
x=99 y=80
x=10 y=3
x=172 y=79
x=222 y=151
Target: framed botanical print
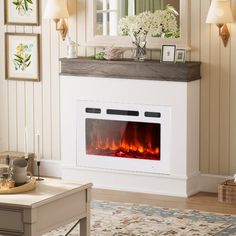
x=22 y=57
x=22 y=12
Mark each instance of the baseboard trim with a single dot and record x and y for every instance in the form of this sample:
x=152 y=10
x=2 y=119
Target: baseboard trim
x=49 y=168
x=207 y=182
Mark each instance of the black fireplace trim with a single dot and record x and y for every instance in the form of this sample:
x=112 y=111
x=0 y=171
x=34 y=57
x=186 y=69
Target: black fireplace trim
x=130 y=69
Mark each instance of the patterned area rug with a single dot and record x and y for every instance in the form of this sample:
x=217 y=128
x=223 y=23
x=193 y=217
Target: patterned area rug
x=117 y=219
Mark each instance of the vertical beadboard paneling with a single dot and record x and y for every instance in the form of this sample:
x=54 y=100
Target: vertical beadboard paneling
x=38 y=113
x=29 y=106
x=215 y=71
x=20 y=106
x=232 y=124
x=195 y=34
x=21 y=119
x=3 y=86
x=224 y=113
x=12 y=115
x=46 y=88
x=38 y=101
x=29 y=114
x=204 y=91
x=72 y=23
x=55 y=93
x=81 y=29
x=12 y=108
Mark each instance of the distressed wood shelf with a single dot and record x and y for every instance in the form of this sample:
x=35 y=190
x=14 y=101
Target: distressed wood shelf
x=129 y=69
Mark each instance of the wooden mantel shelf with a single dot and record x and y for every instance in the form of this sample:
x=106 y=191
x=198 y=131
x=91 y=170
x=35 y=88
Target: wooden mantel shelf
x=129 y=69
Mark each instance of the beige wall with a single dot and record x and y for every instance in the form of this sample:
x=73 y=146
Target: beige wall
x=218 y=92
x=37 y=105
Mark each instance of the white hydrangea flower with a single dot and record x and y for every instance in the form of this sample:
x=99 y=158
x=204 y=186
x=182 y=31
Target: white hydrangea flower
x=161 y=23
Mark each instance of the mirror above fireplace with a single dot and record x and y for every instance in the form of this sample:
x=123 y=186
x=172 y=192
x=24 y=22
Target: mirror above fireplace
x=102 y=19
x=110 y=12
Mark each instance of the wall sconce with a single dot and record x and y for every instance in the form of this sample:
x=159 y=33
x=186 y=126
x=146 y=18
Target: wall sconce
x=57 y=10
x=220 y=14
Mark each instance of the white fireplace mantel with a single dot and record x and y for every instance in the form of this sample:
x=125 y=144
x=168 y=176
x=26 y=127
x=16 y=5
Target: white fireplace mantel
x=182 y=98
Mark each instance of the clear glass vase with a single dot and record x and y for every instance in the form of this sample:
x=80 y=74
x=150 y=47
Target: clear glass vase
x=139 y=47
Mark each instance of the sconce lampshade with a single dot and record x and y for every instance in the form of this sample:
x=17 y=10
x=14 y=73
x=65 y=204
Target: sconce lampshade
x=220 y=12
x=56 y=9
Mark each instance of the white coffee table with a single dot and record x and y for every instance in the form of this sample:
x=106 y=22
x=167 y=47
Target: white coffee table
x=52 y=204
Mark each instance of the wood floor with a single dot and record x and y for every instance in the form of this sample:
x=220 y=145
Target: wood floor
x=202 y=201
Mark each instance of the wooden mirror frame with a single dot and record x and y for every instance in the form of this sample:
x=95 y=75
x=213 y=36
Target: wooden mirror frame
x=125 y=41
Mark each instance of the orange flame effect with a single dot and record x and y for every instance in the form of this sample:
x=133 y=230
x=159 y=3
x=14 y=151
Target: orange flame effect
x=128 y=146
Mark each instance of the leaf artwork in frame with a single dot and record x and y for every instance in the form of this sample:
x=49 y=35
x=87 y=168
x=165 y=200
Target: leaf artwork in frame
x=23 y=7
x=22 y=12
x=22 y=57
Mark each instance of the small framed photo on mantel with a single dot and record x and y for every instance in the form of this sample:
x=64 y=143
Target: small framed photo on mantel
x=22 y=57
x=180 y=55
x=168 y=53
x=21 y=12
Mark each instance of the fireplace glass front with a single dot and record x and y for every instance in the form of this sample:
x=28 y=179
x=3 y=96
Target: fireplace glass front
x=123 y=139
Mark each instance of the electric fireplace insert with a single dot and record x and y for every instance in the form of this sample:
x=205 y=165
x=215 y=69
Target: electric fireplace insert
x=123 y=139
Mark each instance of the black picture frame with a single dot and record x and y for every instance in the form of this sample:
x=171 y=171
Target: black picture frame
x=168 y=53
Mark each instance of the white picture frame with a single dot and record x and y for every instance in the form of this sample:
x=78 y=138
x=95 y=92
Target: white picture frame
x=180 y=55
x=168 y=53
